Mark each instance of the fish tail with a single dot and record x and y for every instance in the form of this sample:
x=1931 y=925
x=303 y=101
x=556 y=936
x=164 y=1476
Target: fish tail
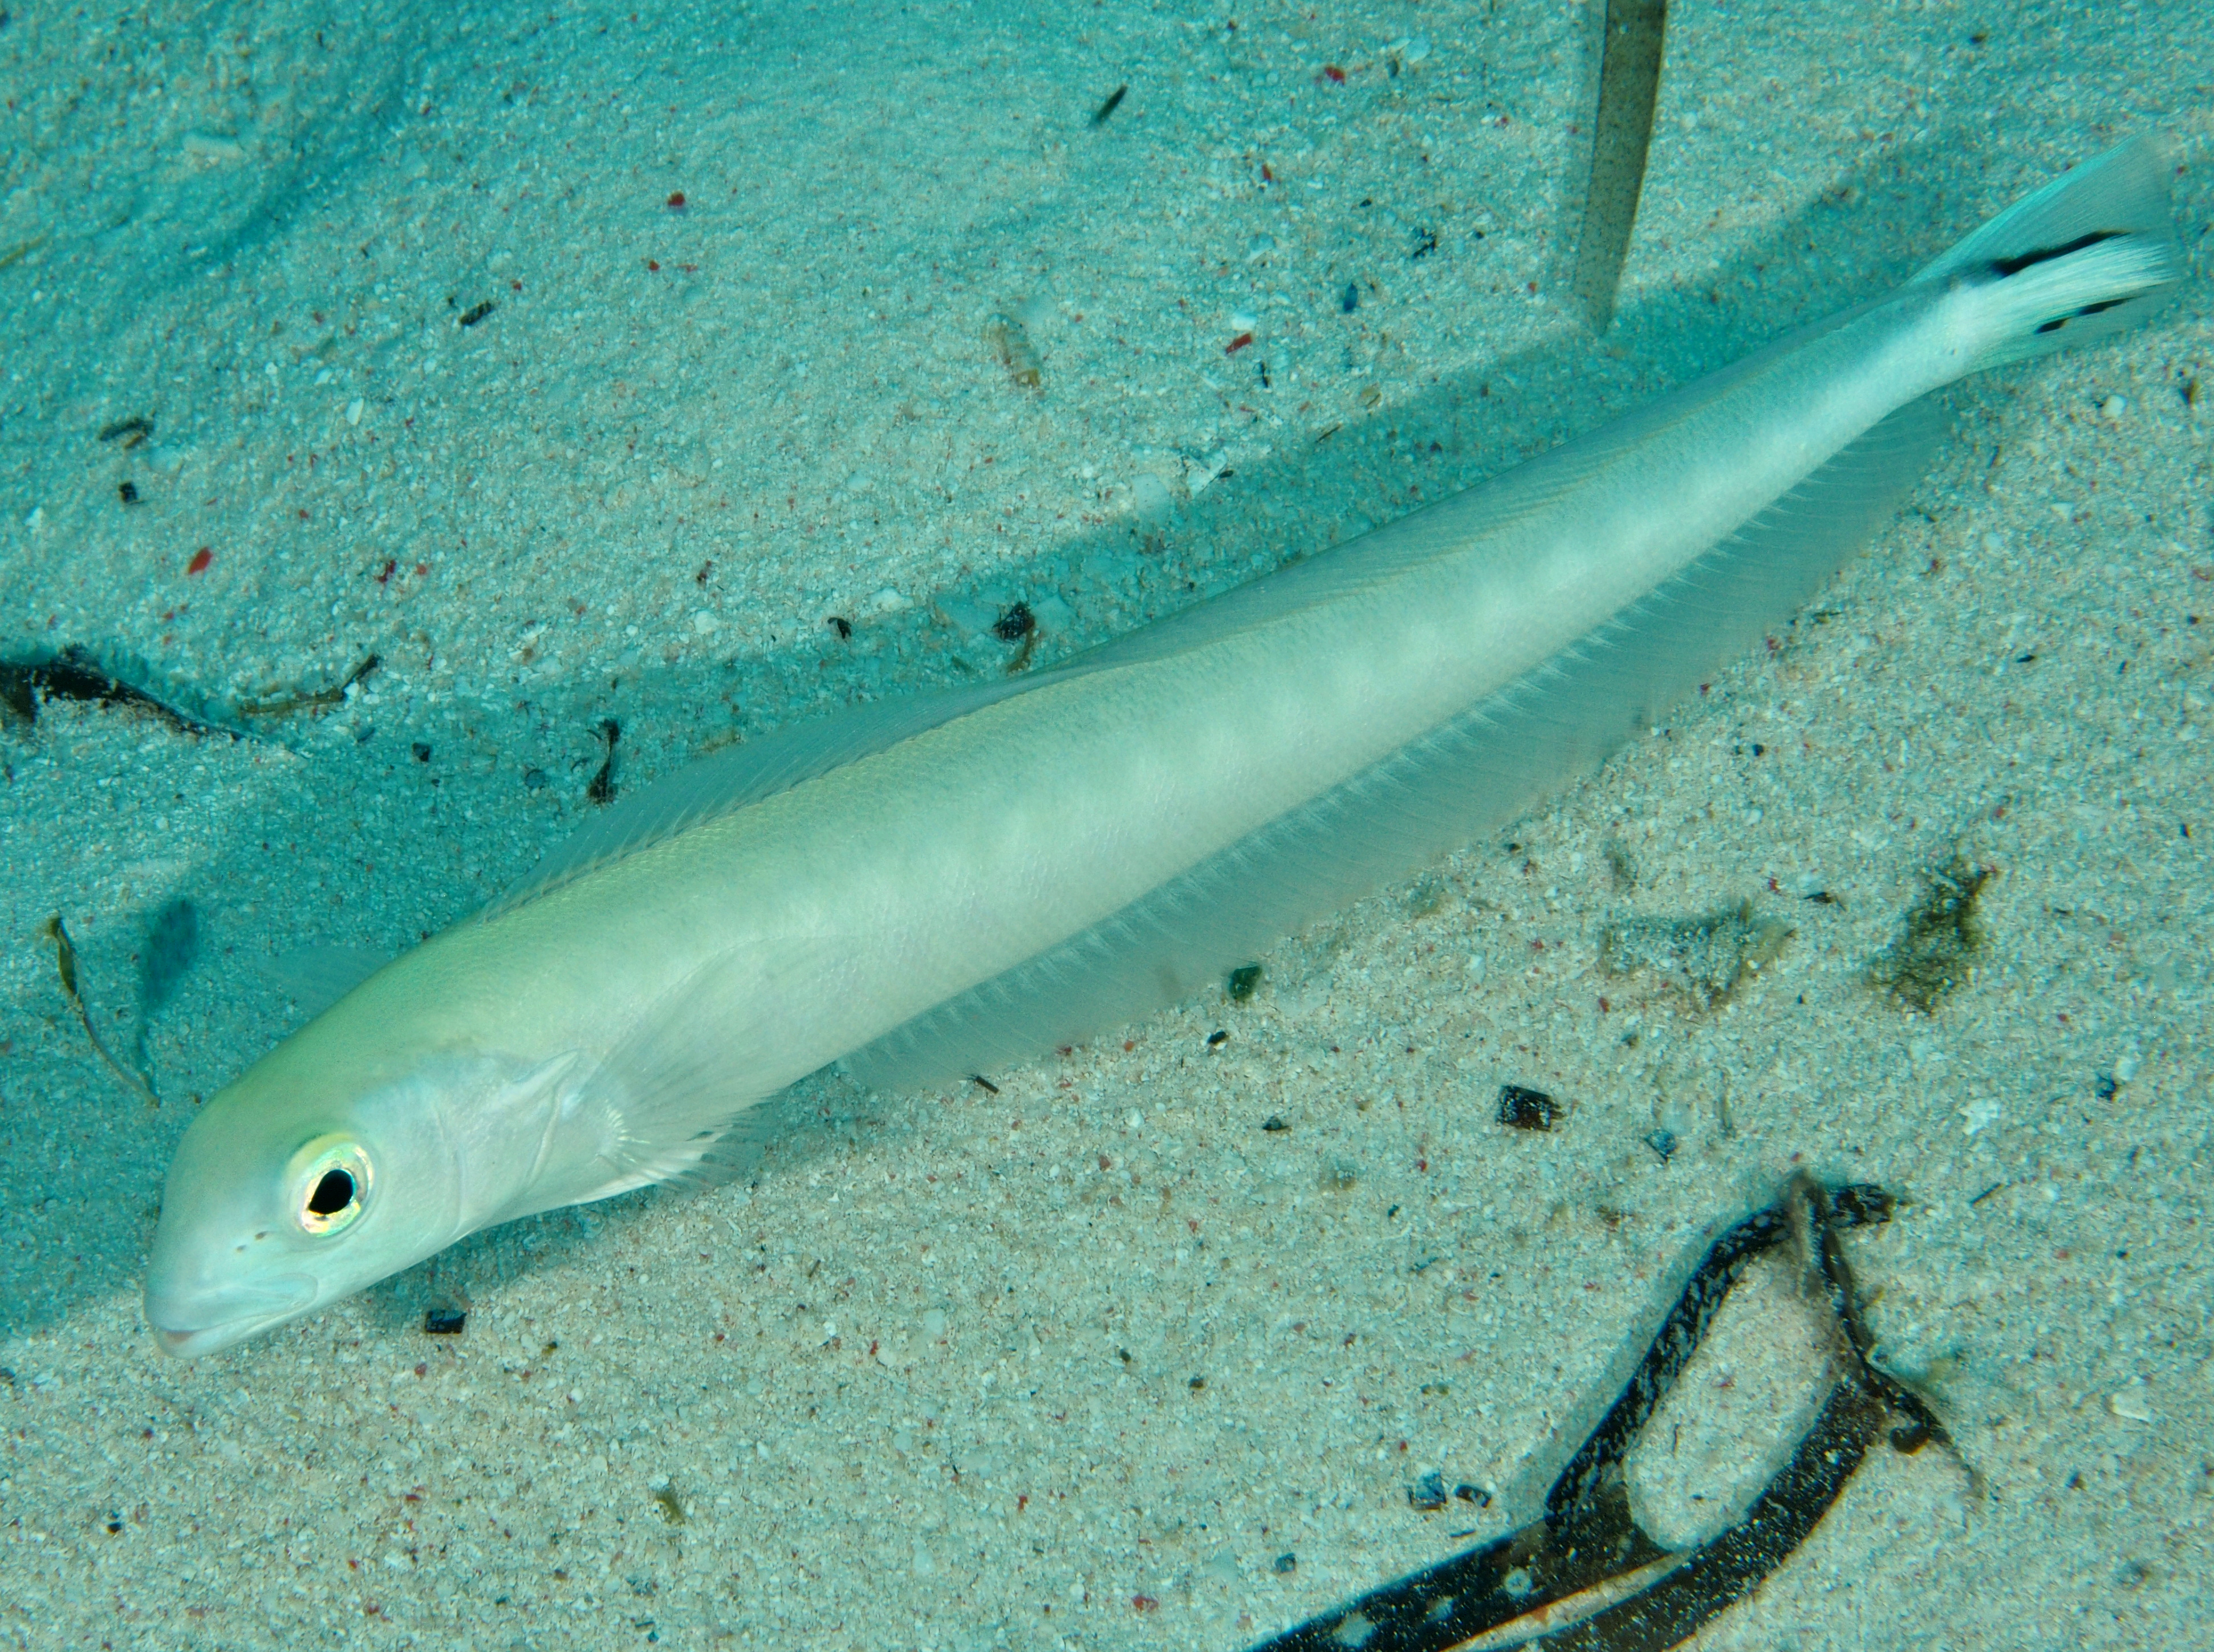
x=2086 y=256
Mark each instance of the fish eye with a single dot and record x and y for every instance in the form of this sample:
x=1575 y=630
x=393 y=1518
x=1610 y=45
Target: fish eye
x=330 y=1182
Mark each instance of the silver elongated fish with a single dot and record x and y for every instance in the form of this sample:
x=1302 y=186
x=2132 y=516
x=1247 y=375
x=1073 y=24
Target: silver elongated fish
x=841 y=891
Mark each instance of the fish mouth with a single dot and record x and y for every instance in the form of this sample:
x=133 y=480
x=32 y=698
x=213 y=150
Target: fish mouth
x=205 y=1321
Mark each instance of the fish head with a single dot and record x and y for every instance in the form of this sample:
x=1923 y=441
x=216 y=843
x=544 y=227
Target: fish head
x=291 y=1190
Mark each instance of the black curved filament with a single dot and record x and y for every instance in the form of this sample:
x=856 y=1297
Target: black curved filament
x=1587 y=1536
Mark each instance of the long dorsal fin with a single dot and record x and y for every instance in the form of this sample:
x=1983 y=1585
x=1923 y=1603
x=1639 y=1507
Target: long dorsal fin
x=316 y=977
x=730 y=779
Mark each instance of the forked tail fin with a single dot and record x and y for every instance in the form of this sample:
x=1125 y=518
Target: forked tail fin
x=2086 y=256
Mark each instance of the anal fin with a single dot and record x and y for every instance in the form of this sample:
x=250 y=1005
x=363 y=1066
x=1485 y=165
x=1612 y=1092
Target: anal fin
x=1469 y=775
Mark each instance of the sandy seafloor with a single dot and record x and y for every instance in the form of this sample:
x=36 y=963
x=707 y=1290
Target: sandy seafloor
x=933 y=1381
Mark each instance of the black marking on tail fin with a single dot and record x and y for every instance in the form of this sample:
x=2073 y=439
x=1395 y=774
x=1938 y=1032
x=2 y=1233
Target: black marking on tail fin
x=2103 y=305
x=2021 y=261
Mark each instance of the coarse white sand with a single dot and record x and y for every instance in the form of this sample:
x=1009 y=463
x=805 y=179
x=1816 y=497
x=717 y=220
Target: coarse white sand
x=1075 y=1363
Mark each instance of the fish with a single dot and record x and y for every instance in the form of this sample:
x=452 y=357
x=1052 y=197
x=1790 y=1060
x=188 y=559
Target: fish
x=920 y=889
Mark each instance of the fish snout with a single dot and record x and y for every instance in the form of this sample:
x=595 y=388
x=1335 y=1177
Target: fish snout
x=188 y=1321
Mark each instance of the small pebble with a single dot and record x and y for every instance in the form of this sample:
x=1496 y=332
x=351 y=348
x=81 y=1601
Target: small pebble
x=1526 y=1109
x=1155 y=505
x=1284 y=1564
